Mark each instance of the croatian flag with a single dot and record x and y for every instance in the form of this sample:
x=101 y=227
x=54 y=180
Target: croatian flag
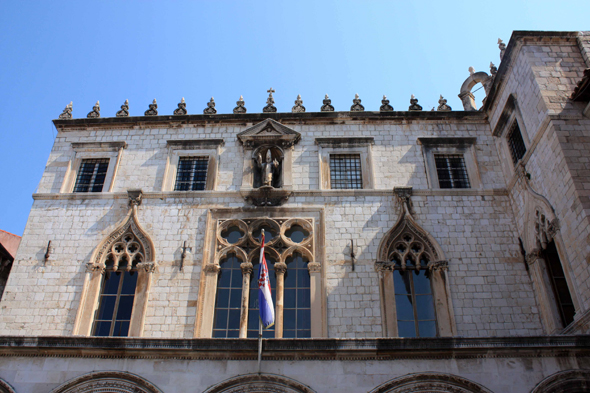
x=265 y=306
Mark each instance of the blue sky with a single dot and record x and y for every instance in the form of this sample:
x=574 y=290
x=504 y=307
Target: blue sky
x=52 y=53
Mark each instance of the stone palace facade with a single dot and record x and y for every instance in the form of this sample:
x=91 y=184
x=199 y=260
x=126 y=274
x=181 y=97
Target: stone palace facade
x=408 y=251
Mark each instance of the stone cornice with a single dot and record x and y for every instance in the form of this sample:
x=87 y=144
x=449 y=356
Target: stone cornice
x=248 y=119
x=296 y=193
x=296 y=349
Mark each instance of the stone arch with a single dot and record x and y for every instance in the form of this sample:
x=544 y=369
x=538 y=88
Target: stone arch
x=430 y=383
x=107 y=381
x=570 y=381
x=89 y=300
x=5 y=387
x=466 y=96
x=271 y=383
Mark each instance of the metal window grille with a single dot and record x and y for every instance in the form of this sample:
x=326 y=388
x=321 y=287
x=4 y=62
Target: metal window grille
x=451 y=171
x=516 y=143
x=345 y=171
x=191 y=174
x=91 y=175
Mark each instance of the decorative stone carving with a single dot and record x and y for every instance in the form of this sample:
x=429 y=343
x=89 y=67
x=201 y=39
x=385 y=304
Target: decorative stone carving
x=356 y=104
x=267 y=196
x=107 y=381
x=564 y=381
x=269 y=132
x=314 y=267
x=95 y=267
x=403 y=193
x=149 y=267
x=532 y=257
x=240 y=108
x=298 y=107
x=430 y=382
x=502 y=47
x=67 y=113
x=493 y=70
x=327 y=107
x=438 y=265
x=153 y=109
x=246 y=268
x=95 y=111
x=467 y=98
x=135 y=197
x=268 y=167
x=263 y=383
x=212 y=268
x=442 y=105
x=414 y=104
x=385 y=107
x=270 y=108
x=181 y=110
x=471 y=70
x=280 y=268
x=124 y=112
x=210 y=110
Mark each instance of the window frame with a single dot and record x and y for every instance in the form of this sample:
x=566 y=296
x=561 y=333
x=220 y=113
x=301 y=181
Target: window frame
x=465 y=146
x=334 y=146
x=177 y=149
x=112 y=151
x=450 y=171
x=207 y=159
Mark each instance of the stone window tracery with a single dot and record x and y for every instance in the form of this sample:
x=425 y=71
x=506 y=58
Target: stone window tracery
x=289 y=255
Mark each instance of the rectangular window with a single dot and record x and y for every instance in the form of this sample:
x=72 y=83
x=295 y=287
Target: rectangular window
x=414 y=304
x=345 y=171
x=116 y=303
x=451 y=171
x=91 y=175
x=191 y=174
x=516 y=143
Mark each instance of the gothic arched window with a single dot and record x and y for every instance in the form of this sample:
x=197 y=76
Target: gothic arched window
x=297 y=308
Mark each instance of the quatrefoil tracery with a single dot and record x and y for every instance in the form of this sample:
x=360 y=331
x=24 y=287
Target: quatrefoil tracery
x=125 y=253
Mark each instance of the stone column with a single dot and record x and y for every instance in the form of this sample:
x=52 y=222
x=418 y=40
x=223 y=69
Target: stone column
x=89 y=299
x=441 y=297
x=246 y=273
x=280 y=269
x=387 y=294
x=211 y=273
x=315 y=289
x=544 y=292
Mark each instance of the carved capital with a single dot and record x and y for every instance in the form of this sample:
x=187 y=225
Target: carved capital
x=246 y=268
x=438 y=265
x=280 y=268
x=149 y=267
x=314 y=267
x=212 y=268
x=381 y=267
x=95 y=267
x=533 y=256
x=553 y=227
x=403 y=195
x=135 y=197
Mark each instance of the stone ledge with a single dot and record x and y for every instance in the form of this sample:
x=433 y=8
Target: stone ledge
x=296 y=193
x=296 y=349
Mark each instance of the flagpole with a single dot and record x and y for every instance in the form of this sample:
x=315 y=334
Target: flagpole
x=259 y=345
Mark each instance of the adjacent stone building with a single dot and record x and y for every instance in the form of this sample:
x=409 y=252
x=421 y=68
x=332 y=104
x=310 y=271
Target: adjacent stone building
x=408 y=251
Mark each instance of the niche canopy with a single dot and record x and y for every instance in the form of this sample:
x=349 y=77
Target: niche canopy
x=269 y=132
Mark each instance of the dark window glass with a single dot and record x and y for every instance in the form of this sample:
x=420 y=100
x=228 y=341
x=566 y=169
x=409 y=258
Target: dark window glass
x=232 y=234
x=91 y=175
x=559 y=284
x=414 y=304
x=345 y=171
x=116 y=303
x=296 y=233
x=253 y=307
x=269 y=233
x=191 y=174
x=229 y=299
x=451 y=171
x=297 y=299
x=516 y=143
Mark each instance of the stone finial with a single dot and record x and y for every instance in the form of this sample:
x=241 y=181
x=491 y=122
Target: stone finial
x=442 y=105
x=493 y=69
x=471 y=70
x=414 y=104
x=356 y=104
x=385 y=107
x=327 y=107
x=153 y=111
x=124 y=112
x=95 y=111
x=298 y=107
x=240 y=108
x=210 y=110
x=67 y=112
x=270 y=108
x=502 y=47
x=181 y=110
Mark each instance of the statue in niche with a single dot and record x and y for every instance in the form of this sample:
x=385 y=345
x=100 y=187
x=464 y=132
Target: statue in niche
x=268 y=171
